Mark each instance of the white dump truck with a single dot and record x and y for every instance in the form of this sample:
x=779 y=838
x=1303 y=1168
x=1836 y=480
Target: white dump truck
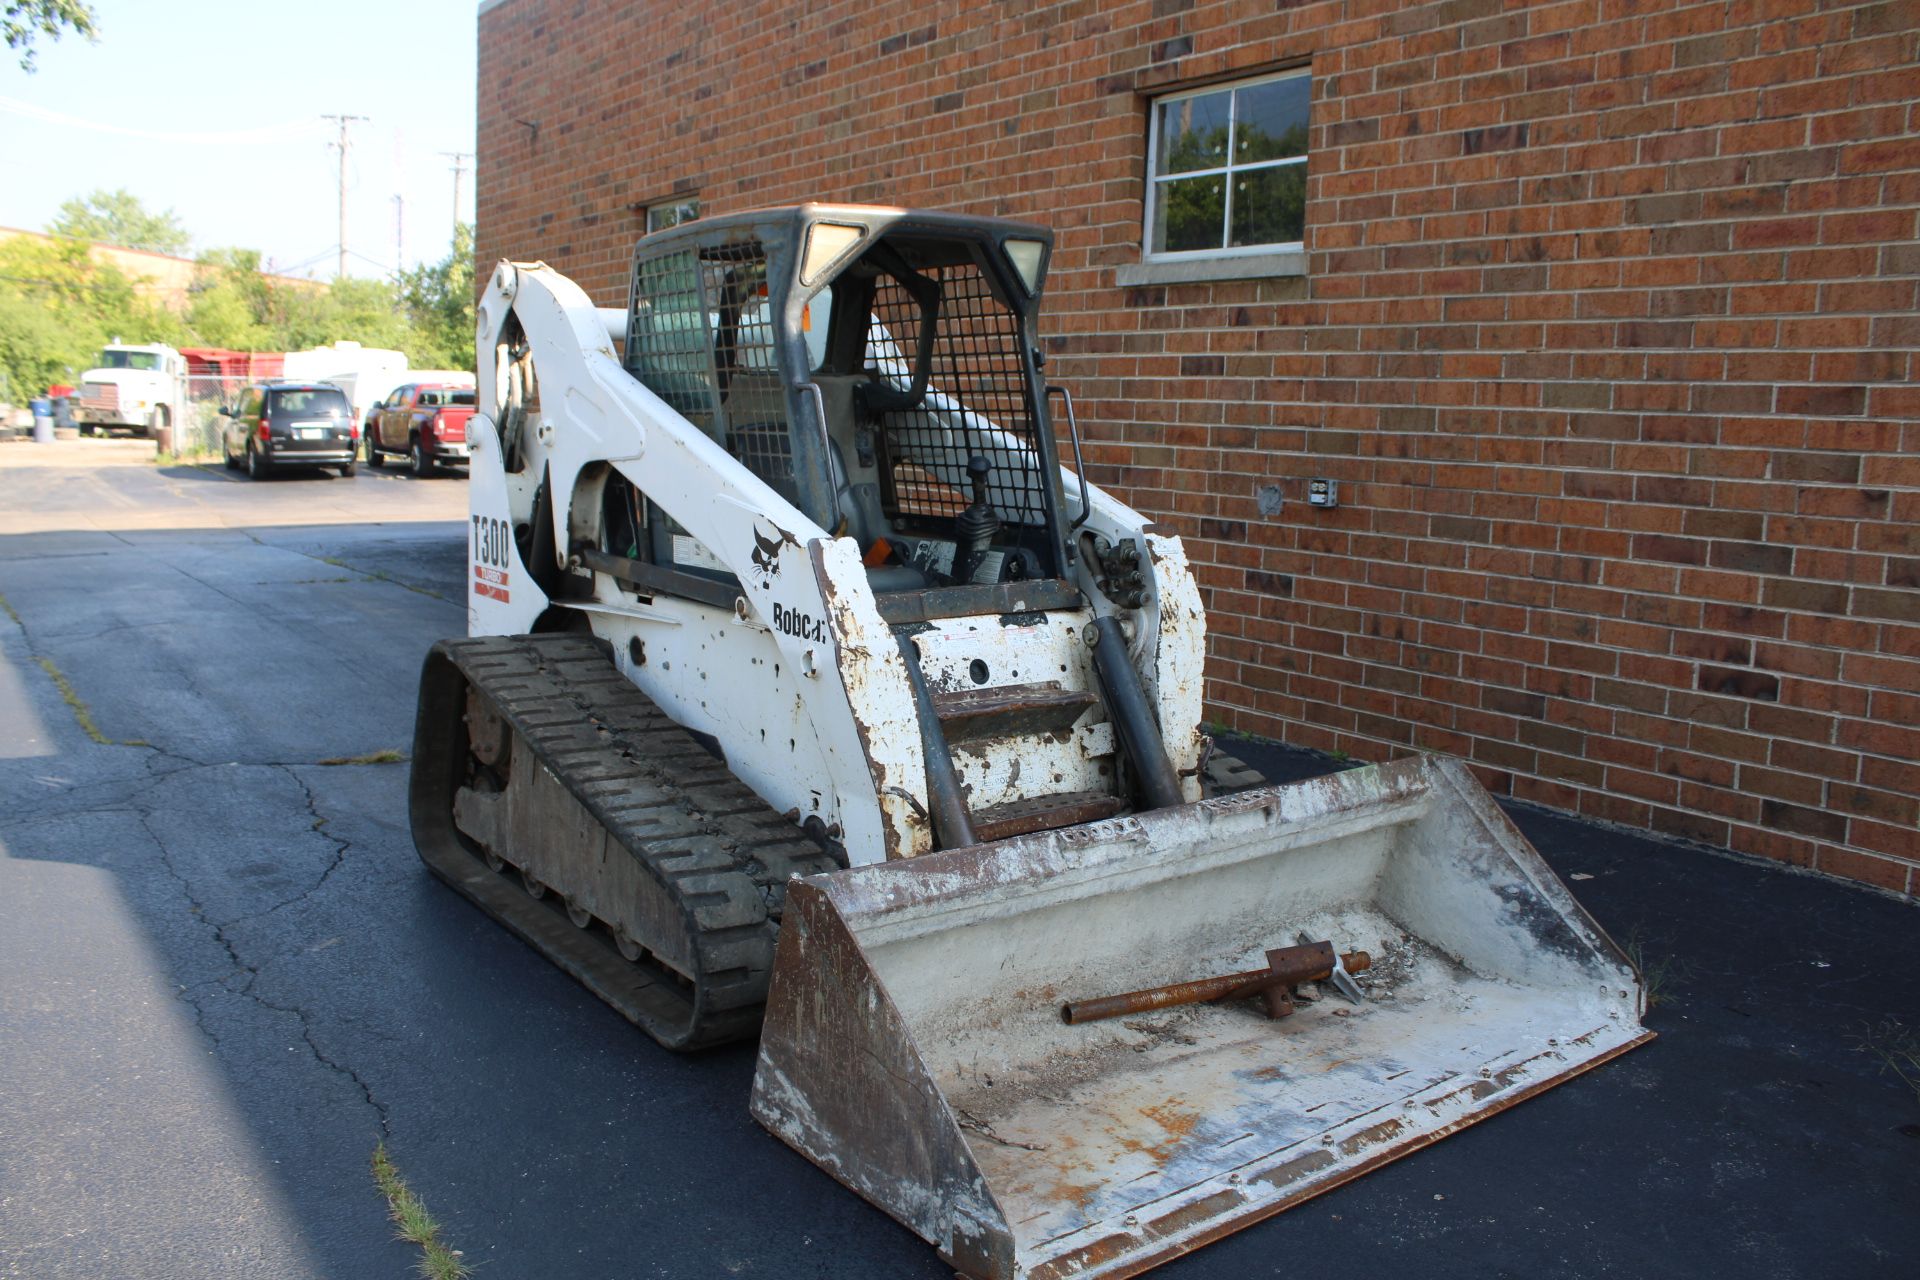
x=140 y=387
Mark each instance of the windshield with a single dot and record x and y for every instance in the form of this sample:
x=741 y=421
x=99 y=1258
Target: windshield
x=129 y=360
x=319 y=402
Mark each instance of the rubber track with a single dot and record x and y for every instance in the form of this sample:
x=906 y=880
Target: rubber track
x=720 y=850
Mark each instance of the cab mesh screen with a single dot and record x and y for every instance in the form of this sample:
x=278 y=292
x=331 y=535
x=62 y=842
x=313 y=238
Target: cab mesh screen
x=701 y=337
x=976 y=402
x=669 y=336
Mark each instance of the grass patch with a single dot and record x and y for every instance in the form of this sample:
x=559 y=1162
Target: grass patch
x=1897 y=1048
x=414 y=1224
x=390 y=756
x=375 y=573
x=1658 y=973
x=82 y=713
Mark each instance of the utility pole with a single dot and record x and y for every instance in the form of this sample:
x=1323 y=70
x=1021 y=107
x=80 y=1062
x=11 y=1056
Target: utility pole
x=343 y=144
x=399 y=233
x=459 y=159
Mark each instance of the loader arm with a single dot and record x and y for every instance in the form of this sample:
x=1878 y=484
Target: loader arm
x=800 y=608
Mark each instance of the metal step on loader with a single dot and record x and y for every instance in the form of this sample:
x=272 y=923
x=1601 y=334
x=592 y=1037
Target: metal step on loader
x=808 y=695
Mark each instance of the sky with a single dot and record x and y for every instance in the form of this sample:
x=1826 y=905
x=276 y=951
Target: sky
x=213 y=109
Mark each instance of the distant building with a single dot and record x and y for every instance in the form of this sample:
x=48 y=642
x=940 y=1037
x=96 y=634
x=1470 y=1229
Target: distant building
x=161 y=277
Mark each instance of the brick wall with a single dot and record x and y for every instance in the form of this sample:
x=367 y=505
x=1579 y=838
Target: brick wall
x=1608 y=334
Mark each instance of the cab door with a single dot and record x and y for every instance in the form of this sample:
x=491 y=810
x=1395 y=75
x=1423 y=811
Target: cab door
x=390 y=422
x=252 y=401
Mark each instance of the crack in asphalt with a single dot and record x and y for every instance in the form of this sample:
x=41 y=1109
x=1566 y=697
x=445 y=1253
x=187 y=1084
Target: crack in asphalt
x=341 y=845
x=242 y=976
x=164 y=764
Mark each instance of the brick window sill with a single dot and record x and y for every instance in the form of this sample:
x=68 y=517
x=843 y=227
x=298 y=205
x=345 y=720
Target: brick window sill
x=1249 y=266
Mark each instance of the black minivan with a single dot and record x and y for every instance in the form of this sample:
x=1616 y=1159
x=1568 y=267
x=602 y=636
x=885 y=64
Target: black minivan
x=290 y=424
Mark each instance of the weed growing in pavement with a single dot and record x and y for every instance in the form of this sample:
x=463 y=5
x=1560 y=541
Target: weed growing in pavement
x=414 y=1223
x=82 y=713
x=389 y=756
x=1658 y=974
x=375 y=573
x=1897 y=1048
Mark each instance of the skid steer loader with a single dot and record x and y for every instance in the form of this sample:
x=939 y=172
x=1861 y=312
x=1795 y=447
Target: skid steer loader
x=806 y=688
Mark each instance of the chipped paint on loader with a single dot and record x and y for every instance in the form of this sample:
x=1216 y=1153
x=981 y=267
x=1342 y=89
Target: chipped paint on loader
x=914 y=1046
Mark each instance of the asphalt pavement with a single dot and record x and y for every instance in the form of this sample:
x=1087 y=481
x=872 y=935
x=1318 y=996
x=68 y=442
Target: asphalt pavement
x=227 y=977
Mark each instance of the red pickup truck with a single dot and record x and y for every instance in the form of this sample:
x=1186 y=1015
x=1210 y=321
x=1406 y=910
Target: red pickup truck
x=426 y=422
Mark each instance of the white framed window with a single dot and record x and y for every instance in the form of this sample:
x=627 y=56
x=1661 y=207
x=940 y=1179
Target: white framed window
x=1227 y=169
x=671 y=213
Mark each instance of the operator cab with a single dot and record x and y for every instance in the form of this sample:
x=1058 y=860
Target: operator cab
x=876 y=368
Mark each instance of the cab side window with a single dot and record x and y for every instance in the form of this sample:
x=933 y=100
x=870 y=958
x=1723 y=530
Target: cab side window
x=250 y=407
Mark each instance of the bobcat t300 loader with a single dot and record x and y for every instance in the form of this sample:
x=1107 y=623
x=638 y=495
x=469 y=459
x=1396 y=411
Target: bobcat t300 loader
x=805 y=687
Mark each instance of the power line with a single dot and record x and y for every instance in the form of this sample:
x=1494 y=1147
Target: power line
x=344 y=144
x=270 y=133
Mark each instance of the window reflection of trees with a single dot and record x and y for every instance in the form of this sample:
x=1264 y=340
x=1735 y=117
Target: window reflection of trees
x=1269 y=194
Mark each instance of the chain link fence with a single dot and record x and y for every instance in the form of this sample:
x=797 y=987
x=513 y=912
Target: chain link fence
x=196 y=424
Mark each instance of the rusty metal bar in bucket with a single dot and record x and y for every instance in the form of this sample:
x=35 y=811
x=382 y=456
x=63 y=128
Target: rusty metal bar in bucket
x=1287 y=967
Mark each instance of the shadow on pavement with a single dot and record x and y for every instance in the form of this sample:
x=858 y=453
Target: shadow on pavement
x=340 y=996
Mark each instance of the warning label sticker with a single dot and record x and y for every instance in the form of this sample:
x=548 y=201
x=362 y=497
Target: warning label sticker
x=491 y=583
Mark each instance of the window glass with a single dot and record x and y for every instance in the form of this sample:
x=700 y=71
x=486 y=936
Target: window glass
x=1229 y=167
x=1188 y=214
x=1269 y=205
x=129 y=360
x=1270 y=120
x=318 y=402
x=755 y=342
x=250 y=407
x=1193 y=133
x=462 y=398
x=671 y=213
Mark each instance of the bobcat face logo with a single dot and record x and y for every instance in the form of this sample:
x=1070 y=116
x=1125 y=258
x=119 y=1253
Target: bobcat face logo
x=765 y=556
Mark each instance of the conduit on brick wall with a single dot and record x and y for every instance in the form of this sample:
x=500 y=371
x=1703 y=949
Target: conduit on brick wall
x=1607 y=331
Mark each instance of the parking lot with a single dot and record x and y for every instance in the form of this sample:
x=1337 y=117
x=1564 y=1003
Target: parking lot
x=228 y=977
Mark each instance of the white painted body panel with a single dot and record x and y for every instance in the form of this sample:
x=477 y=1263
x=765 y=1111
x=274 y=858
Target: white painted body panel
x=821 y=723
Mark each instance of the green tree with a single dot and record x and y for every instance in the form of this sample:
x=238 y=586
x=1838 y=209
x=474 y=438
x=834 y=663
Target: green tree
x=230 y=303
x=118 y=217
x=24 y=21
x=58 y=306
x=439 y=305
x=364 y=311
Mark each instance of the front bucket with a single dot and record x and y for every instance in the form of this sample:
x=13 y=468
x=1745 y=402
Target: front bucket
x=914 y=1046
